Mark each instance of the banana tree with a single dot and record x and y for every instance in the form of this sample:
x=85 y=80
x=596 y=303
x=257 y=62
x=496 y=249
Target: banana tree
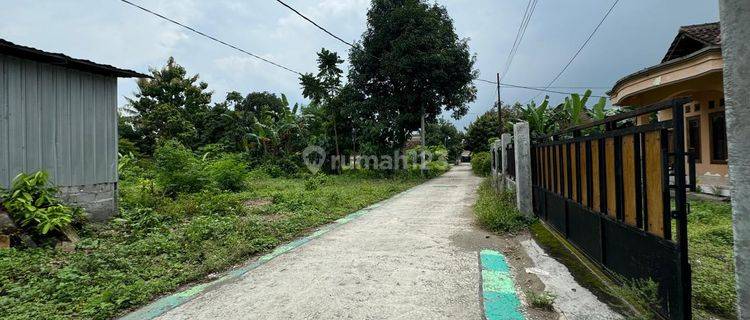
x=538 y=117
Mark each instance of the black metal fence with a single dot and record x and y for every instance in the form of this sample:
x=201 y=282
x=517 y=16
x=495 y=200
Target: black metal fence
x=510 y=160
x=613 y=188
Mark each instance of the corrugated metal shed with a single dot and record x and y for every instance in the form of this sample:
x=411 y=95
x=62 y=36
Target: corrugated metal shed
x=56 y=119
x=57 y=114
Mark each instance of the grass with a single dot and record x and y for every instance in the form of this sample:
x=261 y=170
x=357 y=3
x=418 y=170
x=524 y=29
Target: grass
x=158 y=244
x=710 y=250
x=544 y=300
x=497 y=212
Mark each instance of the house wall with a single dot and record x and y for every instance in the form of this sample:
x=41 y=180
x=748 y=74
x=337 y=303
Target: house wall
x=711 y=177
x=62 y=121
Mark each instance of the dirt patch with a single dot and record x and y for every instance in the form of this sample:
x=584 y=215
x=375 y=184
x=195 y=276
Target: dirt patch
x=255 y=203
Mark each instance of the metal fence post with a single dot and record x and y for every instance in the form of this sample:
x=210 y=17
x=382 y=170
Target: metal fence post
x=505 y=139
x=522 y=151
x=497 y=166
x=735 y=33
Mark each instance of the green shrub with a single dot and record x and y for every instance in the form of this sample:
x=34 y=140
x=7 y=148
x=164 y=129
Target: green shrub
x=178 y=169
x=228 y=172
x=497 y=212
x=481 y=163
x=313 y=181
x=436 y=164
x=32 y=202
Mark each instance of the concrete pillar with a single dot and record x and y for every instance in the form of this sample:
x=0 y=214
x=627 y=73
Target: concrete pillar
x=735 y=34
x=523 y=167
x=505 y=140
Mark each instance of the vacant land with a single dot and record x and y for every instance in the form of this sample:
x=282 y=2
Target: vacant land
x=160 y=243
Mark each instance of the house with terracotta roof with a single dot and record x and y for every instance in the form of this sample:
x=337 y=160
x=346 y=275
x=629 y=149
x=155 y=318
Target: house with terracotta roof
x=692 y=67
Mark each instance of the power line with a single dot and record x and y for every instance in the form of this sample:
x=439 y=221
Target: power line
x=528 y=13
x=581 y=47
x=213 y=38
x=542 y=89
x=315 y=24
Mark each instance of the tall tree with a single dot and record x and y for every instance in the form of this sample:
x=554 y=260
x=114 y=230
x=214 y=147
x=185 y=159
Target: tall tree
x=410 y=61
x=324 y=88
x=480 y=132
x=170 y=105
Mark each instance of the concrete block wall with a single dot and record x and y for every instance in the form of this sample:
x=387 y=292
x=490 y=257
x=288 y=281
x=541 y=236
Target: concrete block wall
x=99 y=201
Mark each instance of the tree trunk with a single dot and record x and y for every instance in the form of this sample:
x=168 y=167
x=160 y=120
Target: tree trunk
x=423 y=139
x=336 y=141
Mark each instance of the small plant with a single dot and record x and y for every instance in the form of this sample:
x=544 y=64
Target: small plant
x=544 y=300
x=32 y=202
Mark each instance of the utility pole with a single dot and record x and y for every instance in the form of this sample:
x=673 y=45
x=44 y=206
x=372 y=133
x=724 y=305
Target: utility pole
x=499 y=106
x=735 y=34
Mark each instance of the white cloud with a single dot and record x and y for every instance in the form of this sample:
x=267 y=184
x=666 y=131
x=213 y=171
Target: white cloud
x=114 y=33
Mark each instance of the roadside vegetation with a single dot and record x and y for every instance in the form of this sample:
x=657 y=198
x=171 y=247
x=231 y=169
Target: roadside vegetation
x=183 y=218
x=206 y=183
x=497 y=212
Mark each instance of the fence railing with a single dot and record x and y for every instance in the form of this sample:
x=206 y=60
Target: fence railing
x=614 y=189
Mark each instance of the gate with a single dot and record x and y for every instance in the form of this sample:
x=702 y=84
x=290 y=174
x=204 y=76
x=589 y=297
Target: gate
x=613 y=188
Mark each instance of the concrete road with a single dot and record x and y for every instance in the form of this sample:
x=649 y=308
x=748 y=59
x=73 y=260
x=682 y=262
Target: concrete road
x=411 y=258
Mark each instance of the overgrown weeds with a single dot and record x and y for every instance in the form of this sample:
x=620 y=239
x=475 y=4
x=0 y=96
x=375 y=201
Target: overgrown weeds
x=642 y=294
x=544 y=300
x=497 y=211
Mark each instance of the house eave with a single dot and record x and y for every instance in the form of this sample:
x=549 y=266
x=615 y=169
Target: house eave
x=662 y=66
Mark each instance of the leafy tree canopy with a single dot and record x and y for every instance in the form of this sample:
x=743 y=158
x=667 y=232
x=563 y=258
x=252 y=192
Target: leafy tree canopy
x=480 y=132
x=171 y=105
x=410 y=59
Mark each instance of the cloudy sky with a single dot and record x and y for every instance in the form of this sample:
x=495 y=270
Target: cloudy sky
x=635 y=35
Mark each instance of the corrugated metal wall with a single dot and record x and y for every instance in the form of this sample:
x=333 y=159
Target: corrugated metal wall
x=59 y=120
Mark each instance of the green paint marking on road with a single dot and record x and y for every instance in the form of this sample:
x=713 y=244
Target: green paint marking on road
x=498 y=291
x=161 y=306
